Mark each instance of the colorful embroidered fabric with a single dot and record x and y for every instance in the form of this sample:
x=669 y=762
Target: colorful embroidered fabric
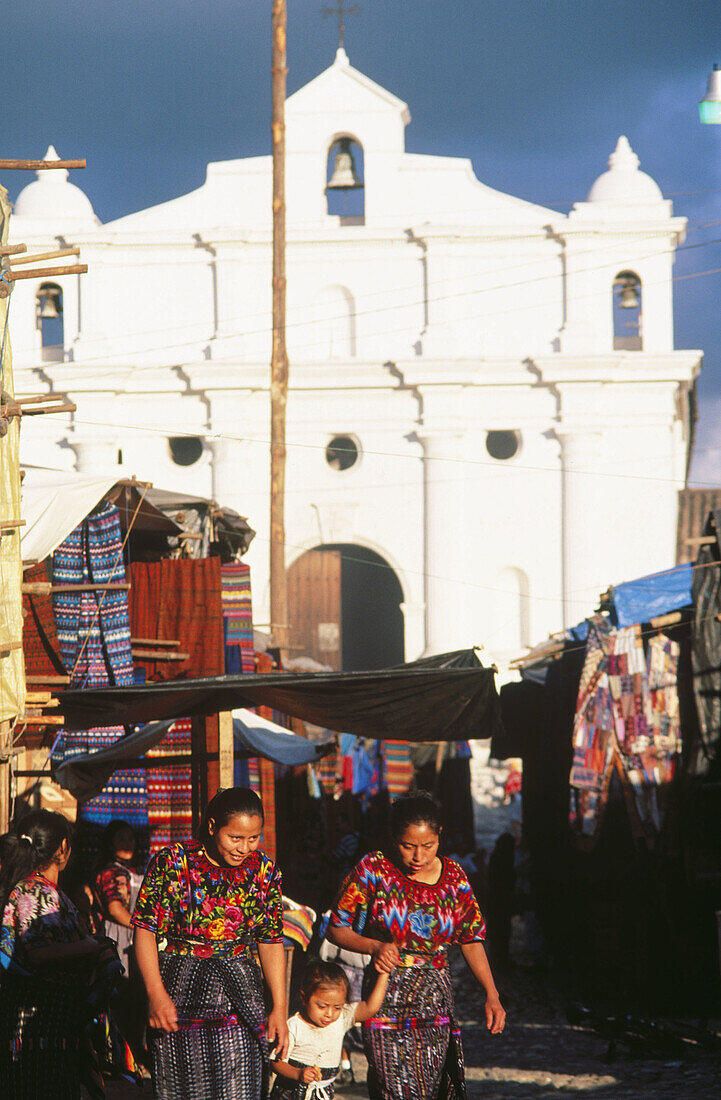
x=626 y=715
x=38 y=914
x=170 y=789
x=204 y=910
x=379 y=901
x=398 y=767
x=237 y=604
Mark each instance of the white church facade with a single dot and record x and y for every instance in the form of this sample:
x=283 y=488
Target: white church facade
x=484 y=393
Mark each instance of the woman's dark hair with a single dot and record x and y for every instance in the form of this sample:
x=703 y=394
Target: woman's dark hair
x=318 y=973
x=418 y=808
x=118 y=835
x=226 y=804
x=30 y=844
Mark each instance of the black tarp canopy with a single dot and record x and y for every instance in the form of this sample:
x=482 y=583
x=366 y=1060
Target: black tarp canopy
x=450 y=697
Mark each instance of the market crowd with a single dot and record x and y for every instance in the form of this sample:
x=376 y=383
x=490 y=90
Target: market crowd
x=181 y=973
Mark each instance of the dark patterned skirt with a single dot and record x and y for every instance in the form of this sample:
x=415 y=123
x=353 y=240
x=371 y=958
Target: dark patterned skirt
x=283 y=1089
x=219 y=1049
x=41 y=1038
x=413 y=1046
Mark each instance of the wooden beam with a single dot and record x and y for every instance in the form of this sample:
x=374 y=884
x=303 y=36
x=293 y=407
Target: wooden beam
x=666 y=620
x=11 y=524
x=68 y=407
x=56 y=253
x=9 y=647
x=44 y=588
x=43 y=272
x=47 y=679
x=42 y=720
x=12 y=249
x=153 y=642
x=701 y=540
x=225 y=748
x=159 y=655
x=39 y=399
x=5 y=746
x=22 y=165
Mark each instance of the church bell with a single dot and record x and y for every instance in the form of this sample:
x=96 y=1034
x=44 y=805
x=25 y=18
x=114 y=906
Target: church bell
x=49 y=303
x=344 y=175
x=627 y=287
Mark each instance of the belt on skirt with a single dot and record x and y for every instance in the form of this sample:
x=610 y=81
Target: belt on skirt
x=436 y=960
x=430 y=960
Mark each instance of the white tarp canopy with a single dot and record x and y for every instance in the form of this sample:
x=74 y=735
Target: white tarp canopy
x=53 y=503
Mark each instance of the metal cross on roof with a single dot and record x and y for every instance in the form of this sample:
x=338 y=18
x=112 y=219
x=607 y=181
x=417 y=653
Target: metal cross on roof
x=341 y=10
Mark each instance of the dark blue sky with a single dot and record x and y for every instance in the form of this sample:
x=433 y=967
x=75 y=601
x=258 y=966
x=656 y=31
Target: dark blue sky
x=535 y=92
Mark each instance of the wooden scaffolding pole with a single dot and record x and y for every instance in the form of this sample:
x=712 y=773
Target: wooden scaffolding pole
x=279 y=359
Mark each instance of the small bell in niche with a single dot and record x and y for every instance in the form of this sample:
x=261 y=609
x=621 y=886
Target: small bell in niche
x=627 y=287
x=345 y=177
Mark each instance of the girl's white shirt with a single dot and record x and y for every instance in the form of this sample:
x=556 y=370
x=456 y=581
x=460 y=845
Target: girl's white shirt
x=319 y=1046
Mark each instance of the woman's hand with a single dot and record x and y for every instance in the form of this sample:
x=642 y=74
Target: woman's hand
x=386 y=958
x=495 y=1014
x=310 y=1074
x=278 y=1032
x=162 y=1013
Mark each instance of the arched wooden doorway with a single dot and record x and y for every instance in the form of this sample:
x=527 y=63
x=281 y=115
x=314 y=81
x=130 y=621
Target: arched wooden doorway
x=344 y=608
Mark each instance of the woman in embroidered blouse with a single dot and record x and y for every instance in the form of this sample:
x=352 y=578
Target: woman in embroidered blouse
x=404 y=909
x=46 y=959
x=211 y=904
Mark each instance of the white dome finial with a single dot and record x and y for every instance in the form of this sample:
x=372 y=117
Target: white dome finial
x=623 y=156
x=624 y=184
x=52 y=175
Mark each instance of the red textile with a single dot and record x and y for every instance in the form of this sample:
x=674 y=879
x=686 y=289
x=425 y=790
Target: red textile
x=40 y=638
x=179 y=601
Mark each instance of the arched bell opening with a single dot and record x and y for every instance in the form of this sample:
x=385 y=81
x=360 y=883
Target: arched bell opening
x=627 y=312
x=345 y=187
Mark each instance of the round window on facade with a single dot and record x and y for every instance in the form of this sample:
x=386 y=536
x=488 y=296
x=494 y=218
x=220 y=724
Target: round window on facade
x=342 y=452
x=503 y=445
x=185 y=450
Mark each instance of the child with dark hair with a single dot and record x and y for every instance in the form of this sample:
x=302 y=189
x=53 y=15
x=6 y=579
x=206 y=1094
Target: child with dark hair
x=316 y=1032
x=117 y=884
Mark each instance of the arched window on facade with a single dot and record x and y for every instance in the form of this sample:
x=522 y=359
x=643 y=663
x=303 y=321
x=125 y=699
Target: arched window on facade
x=627 y=314
x=336 y=323
x=512 y=626
x=345 y=187
x=49 y=320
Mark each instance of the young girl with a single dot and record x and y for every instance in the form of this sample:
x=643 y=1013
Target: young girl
x=316 y=1032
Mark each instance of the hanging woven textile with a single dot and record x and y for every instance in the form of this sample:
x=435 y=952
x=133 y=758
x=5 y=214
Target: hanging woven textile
x=93 y=632
x=627 y=719
x=237 y=604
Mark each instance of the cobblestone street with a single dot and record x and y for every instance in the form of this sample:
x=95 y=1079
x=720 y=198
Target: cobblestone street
x=541 y=1056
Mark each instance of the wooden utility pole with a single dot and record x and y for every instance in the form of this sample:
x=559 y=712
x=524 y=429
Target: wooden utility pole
x=279 y=360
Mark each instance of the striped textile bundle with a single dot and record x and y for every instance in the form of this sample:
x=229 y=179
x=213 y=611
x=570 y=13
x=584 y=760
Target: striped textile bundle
x=170 y=790
x=399 y=767
x=93 y=627
x=298 y=924
x=237 y=604
x=93 y=631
